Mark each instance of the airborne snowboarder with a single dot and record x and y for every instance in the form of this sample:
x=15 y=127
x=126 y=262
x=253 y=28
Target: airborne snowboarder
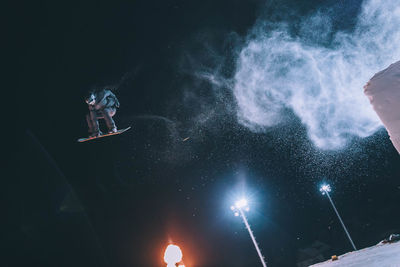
x=102 y=104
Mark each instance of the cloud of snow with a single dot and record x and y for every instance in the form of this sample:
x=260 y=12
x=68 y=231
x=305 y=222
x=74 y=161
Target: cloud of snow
x=317 y=73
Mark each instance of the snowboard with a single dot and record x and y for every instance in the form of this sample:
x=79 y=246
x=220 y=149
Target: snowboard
x=80 y=140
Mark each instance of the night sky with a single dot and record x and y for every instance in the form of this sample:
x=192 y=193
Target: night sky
x=119 y=200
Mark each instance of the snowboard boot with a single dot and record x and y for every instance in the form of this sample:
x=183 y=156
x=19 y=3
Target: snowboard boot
x=112 y=130
x=94 y=135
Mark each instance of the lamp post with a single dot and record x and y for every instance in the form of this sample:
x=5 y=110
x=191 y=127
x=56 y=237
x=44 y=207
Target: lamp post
x=325 y=189
x=239 y=208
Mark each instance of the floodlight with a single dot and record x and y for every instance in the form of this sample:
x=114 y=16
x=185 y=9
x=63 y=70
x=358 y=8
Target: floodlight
x=241 y=203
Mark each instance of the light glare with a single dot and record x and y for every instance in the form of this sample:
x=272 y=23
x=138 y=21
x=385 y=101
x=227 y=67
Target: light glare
x=241 y=203
x=325 y=188
x=172 y=255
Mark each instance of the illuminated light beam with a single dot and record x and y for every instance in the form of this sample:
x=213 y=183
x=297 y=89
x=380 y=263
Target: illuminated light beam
x=238 y=210
x=325 y=189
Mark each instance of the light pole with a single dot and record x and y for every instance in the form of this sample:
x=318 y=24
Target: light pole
x=325 y=189
x=238 y=209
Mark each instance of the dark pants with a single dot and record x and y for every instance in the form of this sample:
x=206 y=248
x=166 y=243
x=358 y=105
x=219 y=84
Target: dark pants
x=93 y=119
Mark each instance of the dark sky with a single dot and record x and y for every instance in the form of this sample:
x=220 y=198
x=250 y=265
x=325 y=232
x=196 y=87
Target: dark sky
x=136 y=192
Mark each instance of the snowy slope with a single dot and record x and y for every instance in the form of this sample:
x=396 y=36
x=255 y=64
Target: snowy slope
x=381 y=255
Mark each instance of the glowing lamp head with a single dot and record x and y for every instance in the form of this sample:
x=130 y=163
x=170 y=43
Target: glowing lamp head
x=241 y=203
x=325 y=188
x=172 y=255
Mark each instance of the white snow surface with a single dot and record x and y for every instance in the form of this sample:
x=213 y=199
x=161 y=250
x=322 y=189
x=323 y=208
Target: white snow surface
x=381 y=255
x=383 y=91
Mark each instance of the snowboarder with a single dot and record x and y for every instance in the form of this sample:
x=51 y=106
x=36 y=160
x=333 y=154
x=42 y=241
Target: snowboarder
x=102 y=104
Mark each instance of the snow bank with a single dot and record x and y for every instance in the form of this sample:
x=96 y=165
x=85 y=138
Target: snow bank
x=381 y=255
x=383 y=91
